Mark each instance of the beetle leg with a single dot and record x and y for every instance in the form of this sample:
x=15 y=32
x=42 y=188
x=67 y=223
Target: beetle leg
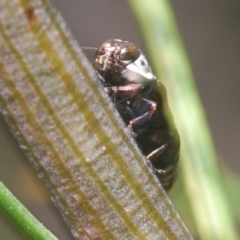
x=130 y=87
x=153 y=107
x=138 y=120
x=158 y=151
x=142 y=118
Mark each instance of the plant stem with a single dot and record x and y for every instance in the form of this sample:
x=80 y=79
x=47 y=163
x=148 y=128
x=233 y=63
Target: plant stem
x=199 y=164
x=21 y=217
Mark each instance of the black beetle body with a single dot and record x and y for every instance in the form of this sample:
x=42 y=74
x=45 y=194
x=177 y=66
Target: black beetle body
x=130 y=83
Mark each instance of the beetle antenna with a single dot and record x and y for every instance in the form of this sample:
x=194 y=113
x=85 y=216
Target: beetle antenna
x=90 y=48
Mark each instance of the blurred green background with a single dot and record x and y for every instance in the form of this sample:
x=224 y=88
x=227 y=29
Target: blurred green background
x=211 y=34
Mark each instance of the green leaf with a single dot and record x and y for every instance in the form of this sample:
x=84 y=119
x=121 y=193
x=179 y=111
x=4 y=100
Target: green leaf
x=199 y=164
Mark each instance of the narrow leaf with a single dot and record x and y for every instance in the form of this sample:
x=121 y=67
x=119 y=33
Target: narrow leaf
x=199 y=166
x=71 y=133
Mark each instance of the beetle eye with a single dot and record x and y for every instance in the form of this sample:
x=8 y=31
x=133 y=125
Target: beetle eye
x=129 y=53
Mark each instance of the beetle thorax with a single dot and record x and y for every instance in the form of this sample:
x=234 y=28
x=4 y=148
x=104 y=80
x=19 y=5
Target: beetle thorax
x=120 y=61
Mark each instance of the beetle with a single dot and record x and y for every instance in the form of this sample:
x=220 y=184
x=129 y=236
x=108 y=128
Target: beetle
x=133 y=88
